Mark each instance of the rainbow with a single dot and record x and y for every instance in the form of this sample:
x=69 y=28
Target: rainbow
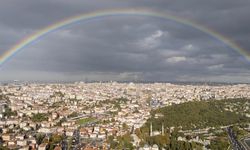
x=115 y=12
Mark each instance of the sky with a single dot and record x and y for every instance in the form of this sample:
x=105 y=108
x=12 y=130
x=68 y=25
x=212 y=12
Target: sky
x=126 y=48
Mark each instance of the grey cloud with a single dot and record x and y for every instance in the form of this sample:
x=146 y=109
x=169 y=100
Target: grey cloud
x=126 y=47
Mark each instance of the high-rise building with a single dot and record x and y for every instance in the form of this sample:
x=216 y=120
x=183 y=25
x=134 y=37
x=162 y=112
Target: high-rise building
x=162 y=129
x=151 y=129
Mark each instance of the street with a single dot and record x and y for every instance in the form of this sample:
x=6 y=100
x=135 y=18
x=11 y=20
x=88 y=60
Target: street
x=236 y=145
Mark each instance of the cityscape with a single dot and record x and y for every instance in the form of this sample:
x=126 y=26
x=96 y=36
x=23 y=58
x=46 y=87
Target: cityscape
x=124 y=75
x=112 y=115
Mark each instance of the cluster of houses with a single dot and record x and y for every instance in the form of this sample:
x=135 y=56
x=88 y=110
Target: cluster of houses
x=57 y=102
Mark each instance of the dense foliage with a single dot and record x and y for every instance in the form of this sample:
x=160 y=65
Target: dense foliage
x=167 y=140
x=198 y=114
x=39 y=117
x=115 y=102
x=39 y=138
x=8 y=112
x=122 y=142
x=219 y=143
x=54 y=140
x=194 y=115
x=73 y=114
x=84 y=121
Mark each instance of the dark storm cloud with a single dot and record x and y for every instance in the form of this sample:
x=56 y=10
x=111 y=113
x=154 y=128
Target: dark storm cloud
x=128 y=47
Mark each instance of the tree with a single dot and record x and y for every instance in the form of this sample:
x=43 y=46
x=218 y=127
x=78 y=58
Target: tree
x=125 y=126
x=73 y=114
x=219 y=143
x=125 y=142
x=39 y=138
x=3 y=147
x=138 y=133
x=39 y=117
x=54 y=140
x=8 y=112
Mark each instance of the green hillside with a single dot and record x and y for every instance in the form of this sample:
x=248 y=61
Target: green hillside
x=201 y=114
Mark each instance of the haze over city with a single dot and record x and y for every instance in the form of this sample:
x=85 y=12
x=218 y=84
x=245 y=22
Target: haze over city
x=127 y=47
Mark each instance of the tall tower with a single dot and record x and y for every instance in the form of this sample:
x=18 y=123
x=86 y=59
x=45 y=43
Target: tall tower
x=151 y=128
x=162 y=129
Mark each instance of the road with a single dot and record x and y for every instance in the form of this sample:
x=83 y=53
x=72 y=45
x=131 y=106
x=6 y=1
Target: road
x=236 y=145
x=76 y=144
x=78 y=117
x=64 y=141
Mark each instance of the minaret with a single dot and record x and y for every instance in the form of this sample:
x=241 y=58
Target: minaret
x=162 y=129
x=151 y=128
